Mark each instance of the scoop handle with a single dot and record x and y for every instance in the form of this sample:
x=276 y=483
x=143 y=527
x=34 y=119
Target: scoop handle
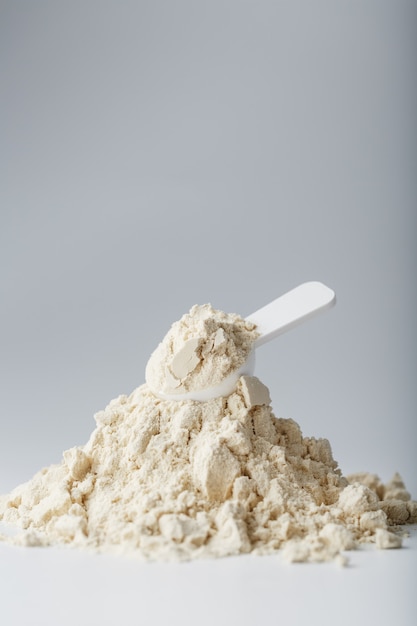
x=291 y=309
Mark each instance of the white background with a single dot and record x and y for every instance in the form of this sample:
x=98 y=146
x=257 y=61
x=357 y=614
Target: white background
x=160 y=154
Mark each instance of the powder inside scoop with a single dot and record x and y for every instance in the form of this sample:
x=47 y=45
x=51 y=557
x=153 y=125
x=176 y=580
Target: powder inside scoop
x=200 y=351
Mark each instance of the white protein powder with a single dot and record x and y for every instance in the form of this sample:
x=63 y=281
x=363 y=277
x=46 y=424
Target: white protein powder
x=167 y=480
x=199 y=351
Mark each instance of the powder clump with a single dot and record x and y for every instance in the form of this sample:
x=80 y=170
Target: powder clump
x=165 y=479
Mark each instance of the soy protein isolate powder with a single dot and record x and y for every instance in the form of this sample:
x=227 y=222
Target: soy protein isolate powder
x=179 y=479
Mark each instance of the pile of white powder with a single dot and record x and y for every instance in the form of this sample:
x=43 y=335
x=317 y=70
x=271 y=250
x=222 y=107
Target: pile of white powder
x=163 y=479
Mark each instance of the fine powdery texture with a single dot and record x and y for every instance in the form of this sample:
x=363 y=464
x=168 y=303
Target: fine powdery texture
x=200 y=351
x=164 y=479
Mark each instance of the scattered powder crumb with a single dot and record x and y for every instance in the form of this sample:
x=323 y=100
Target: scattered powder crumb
x=163 y=479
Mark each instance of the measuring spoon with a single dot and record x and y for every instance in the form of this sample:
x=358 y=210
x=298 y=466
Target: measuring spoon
x=272 y=320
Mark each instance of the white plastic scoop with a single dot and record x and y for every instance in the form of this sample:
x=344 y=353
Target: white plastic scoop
x=275 y=318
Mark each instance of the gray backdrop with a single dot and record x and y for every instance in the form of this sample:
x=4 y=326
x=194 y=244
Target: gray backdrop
x=160 y=154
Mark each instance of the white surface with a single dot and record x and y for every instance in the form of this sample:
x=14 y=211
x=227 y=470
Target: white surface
x=51 y=587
